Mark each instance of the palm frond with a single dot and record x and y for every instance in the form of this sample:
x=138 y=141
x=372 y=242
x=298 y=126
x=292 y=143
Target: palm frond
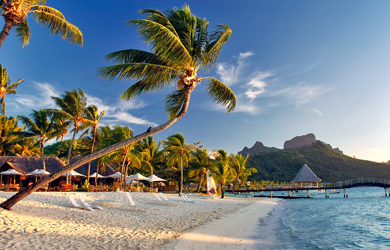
x=221 y=93
x=136 y=56
x=159 y=17
x=15 y=84
x=136 y=71
x=219 y=37
x=55 y=21
x=174 y=102
x=23 y=32
x=165 y=43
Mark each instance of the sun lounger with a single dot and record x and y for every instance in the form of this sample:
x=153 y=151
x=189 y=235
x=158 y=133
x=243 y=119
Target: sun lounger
x=157 y=197
x=83 y=202
x=164 y=197
x=187 y=199
x=77 y=205
x=128 y=195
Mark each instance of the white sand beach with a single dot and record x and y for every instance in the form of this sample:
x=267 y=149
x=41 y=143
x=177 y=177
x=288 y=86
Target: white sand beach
x=48 y=221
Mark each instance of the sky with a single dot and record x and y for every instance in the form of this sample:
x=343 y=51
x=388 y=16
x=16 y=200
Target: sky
x=296 y=67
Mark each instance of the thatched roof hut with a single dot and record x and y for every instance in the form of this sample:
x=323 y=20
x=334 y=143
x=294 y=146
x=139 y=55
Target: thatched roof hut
x=306 y=175
x=27 y=164
x=109 y=168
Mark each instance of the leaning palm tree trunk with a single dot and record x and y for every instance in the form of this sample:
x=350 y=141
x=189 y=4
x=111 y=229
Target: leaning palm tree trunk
x=30 y=189
x=5 y=32
x=43 y=155
x=93 y=144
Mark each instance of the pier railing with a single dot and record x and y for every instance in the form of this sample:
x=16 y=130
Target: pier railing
x=353 y=182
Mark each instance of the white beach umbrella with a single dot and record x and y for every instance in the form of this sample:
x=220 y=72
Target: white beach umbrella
x=99 y=175
x=9 y=172
x=154 y=178
x=138 y=177
x=38 y=172
x=115 y=175
x=74 y=173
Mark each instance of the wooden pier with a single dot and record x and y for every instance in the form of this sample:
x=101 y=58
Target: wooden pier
x=341 y=185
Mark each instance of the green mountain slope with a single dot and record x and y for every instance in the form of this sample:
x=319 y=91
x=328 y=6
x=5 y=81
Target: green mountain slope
x=327 y=164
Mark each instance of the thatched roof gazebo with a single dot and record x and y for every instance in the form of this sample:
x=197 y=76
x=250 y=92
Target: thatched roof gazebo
x=306 y=175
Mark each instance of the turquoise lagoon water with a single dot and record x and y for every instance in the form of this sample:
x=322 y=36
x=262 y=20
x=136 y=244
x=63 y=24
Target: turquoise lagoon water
x=361 y=221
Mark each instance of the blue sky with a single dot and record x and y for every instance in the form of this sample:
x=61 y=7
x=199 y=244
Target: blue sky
x=296 y=67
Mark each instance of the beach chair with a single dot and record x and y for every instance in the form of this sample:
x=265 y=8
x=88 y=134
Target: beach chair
x=77 y=205
x=157 y=197
x=164 y=197
x=83 y=202
x=187 y=199
x=128 y=195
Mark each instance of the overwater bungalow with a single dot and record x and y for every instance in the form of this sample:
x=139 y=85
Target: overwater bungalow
x=306 y=177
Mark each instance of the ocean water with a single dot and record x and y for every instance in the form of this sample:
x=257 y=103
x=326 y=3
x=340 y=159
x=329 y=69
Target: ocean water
x=361 y=221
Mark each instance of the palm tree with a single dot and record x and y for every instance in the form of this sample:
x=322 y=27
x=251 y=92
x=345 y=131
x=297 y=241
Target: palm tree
x=27 y=146
x=151 y=154
x=181 y=46
x=200 y=163
x=5 y=87
x=40 y=126
x=129 y=156
x=61 y=124
x=178 y=153
x=222 y=170
x=15 y=13
x=238 y=163
x=9 y=134
x=221 y=173
x=72 y=106
x=92 y=114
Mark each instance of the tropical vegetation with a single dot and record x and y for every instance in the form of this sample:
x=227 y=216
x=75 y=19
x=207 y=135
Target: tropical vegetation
x=181 y=47
x=15 y=13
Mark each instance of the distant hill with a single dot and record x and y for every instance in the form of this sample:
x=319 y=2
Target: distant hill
x=258 y=147
x=327 y=163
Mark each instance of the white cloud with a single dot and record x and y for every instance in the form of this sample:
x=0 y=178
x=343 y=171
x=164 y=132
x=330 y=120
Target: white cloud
x=300 y=94
x=257 y=85
x=318 y=112
x=127 y=118
x=230 y=74
x=116 y=113
x=40 y=99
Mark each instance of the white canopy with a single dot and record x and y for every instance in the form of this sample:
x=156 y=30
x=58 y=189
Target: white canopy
x=94 y=175
x=39 y=172
x=137 y=177
x=11 y=172
x=73 y=173
x=116 y=175
x=154 y=178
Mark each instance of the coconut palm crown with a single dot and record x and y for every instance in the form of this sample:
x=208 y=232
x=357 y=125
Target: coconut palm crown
x=15 y=13
x=6 y=88
x=181 y=46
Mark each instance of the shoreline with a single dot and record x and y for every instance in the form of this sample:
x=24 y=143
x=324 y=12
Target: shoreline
x=237 y=230
x=46 y=220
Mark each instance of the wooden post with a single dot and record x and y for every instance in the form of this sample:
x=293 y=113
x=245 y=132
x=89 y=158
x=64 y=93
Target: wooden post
x=308 y=193
x=326 y=193
x=289 y=193
x=270 y=193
